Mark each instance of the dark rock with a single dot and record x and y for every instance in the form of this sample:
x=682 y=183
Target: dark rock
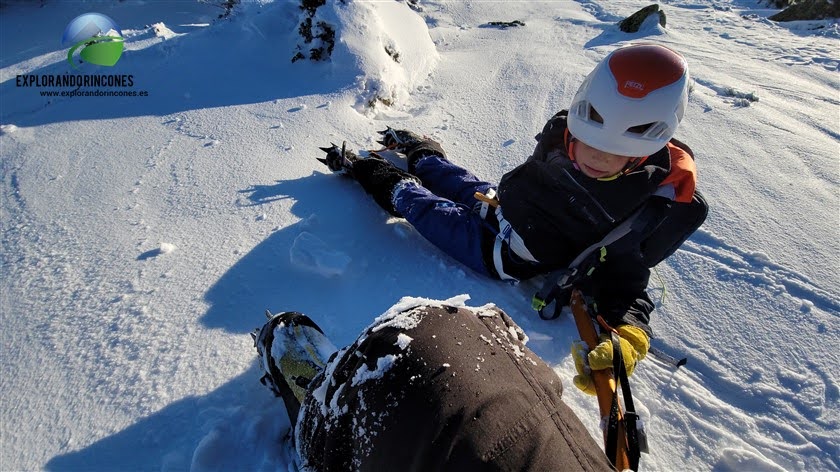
x=318 y=36
x=809 y=10
x=632 y=23
x=502 y=24
x=778 y=3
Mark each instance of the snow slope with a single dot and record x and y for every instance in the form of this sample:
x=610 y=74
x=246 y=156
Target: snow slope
x=142 y=238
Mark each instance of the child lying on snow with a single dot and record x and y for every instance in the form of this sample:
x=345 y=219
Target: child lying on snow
x=428 y=386
x=610 y=159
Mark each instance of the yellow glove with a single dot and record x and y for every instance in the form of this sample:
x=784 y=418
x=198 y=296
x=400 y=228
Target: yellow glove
x=634 y=347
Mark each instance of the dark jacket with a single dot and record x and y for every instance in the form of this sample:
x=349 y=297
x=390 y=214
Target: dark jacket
x=558 y=211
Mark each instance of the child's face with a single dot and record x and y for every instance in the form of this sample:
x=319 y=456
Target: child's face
x=598 y=164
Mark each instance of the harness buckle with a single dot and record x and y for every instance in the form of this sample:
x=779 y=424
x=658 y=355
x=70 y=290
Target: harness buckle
x=538 y=303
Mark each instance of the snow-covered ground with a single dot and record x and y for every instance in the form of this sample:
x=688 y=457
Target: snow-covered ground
x=143 y=237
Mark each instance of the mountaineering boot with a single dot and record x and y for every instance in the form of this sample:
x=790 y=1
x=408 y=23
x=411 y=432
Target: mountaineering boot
x=292 y=351
x=412 y=145
x=377 y=176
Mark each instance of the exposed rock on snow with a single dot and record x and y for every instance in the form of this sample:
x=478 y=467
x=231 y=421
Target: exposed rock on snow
x=809 y=10
x=317 y=35
x=503 y=24
x=632 y=23
x=778 y=3
x=385 y=37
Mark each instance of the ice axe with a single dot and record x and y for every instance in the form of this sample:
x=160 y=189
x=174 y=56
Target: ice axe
x=623 y=442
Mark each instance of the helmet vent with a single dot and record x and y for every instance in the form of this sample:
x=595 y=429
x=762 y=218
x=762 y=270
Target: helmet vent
x=595 y=116
x=640 y=129
x=658 y=131
x=653 y=131
x=581 y=110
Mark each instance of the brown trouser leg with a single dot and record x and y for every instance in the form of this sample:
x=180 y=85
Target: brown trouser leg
x=442 y=388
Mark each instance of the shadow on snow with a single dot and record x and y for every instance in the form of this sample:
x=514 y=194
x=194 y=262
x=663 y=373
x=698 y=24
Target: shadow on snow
x=218 y=431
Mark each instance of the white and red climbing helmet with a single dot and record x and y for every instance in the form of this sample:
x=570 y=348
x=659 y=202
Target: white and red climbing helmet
x=632 y=102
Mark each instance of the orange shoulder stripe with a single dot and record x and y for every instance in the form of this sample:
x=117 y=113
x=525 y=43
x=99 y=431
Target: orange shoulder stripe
x=683 y=174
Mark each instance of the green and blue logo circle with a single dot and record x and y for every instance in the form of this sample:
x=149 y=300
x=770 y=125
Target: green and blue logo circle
x=97 y=38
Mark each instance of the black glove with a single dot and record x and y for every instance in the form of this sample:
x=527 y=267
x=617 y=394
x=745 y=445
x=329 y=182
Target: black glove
x=338 y=159
x=379 y=178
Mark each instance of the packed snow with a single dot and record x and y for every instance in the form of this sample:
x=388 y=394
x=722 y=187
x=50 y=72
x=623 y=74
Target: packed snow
x=143 y=237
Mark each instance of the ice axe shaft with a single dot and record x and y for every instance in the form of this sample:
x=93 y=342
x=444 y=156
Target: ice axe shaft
x=604 y=380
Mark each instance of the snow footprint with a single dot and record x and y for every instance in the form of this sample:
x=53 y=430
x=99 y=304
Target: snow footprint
x=308 y=252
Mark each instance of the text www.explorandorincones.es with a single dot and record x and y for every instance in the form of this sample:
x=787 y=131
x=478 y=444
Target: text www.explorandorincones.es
x=94 y=93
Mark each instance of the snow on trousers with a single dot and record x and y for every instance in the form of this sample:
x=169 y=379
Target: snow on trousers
x=445 y=211
x=452 y=390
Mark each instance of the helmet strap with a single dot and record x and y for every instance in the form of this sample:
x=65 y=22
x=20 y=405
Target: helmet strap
x=631 y=165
